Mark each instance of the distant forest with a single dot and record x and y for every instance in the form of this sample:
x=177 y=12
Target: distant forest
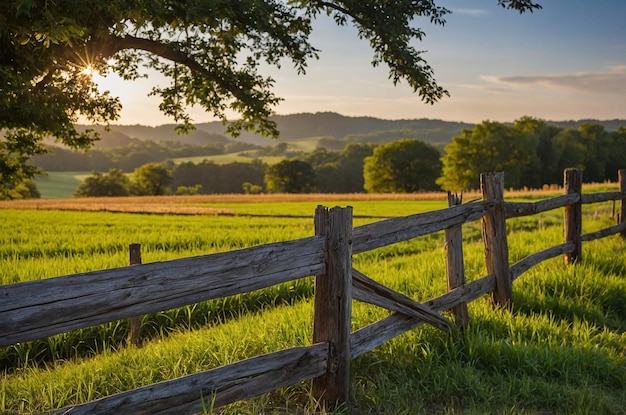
x=127 y=147
x=341 y=145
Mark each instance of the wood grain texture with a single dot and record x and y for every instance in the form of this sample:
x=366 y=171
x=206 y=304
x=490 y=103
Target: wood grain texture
x=37 y=309
x=573 y=216
x=380 y=332
x=587 y=198
x=371 y=292
x=495 y=239
x=333 y=304
x=135 y=321
x=603 y=233
x=516 y=209
x=526 y=263
x=231 y=383
x=394 y=230
x=455 y=265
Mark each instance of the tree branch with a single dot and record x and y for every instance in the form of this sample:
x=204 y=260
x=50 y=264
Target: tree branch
x=112 y=44
x=340 y=9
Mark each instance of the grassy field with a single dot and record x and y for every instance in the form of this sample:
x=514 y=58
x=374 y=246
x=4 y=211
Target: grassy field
x=241 y=157
x=561 y=350
x=60 y=184
x=307 y=145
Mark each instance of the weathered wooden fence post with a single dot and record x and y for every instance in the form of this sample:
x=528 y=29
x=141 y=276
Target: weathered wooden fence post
x=573 y=217
x=495 y=240
x=621 y=216
x=333 y=303
x=455 y=268
x=135 y=322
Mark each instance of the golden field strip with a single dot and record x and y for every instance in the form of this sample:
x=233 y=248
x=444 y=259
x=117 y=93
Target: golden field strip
x=200 y=204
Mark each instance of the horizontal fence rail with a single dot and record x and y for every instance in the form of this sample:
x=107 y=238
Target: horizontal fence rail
x=91 y=298
x=37 y=309
x=227 y=384
x=394 y=230
x=613 y=230
x=530 y=261
x=517 y=209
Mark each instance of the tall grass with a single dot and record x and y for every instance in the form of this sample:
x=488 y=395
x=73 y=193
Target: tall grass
x=561 y=350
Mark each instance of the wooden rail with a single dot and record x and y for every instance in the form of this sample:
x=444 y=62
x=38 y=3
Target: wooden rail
x=227 y=384
x=91 y=298
x=37 y=309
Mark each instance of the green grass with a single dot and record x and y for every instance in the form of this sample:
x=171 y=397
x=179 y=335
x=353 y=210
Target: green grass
x=60 y=184
x=242 y=157
x=45 y=244
x=304 y=144
x=561 y=350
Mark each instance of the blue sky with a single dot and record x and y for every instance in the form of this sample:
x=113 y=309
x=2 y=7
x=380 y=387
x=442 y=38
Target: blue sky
x=564 y=62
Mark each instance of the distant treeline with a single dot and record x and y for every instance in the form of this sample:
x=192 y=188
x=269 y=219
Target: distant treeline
x=130 y=156
x=532 y=153
x=436 y=137
x=320 y=171
x=211 y=178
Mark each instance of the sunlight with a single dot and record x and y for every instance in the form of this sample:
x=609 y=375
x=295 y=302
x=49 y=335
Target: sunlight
x=89 y=71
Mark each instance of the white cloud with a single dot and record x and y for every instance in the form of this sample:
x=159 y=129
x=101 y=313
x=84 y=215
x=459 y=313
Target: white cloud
x=612 y=81
x=471 y=12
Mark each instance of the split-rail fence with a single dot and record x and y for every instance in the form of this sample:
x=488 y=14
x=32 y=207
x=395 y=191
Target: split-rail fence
x=37 y=309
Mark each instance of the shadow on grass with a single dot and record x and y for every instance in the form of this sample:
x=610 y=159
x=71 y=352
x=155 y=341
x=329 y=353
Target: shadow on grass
x=498 y=365
x=115 y=335
x=561 y=350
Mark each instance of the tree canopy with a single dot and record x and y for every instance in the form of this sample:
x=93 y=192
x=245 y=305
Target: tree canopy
x=403 y=166
x=489 y=147
x=531 y=153
x=290 y=176
x=113 y=183
x=151 y=179
x=211 y=51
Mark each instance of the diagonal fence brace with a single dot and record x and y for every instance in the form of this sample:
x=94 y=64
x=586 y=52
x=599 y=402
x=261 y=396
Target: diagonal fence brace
x=369 y=291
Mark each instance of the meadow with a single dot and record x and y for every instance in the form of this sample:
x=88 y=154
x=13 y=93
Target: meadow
x=59 y=184
x=561 y=350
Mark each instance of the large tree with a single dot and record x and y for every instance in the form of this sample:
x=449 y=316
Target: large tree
x=209 y=49
x=113 y=183
x=151 y=179
x=403 y=166
x=488 y=147
x=290 y=176
x=617 y=154
x=540 y=168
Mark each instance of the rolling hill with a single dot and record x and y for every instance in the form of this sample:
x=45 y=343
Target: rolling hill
x=122 y=135
x=292 y=127
x=330 y=126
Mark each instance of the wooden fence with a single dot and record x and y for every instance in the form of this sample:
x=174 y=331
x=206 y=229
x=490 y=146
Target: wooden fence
x=37 y=309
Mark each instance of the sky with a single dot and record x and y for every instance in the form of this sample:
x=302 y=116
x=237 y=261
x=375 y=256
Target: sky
x=564 y=62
